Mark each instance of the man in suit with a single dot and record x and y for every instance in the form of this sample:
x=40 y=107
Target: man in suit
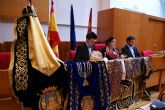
x=130 y=50
x=83 y=52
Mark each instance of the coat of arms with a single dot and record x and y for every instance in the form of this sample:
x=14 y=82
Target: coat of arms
x=51 y=99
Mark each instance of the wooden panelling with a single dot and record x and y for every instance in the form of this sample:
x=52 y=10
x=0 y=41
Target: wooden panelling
x=154 y=80
x=1 y=47
x=127 y=23
x=163 y=77
x=157 y=34
x=149 y=31
x=105 y=24
x=5 y=46
x=158 y=64
x=10 y=10
x=64 y=48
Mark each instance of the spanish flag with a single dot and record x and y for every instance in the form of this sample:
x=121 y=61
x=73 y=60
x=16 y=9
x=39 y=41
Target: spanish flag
x=53 y=36
x=90 y=21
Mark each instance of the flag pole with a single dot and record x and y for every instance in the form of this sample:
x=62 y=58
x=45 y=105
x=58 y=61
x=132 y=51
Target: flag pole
x=52 y=3
x=30 y=2
x=90 y=21
x=72 y=30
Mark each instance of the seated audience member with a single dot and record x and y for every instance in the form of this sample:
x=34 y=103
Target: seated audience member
x=129 y=50
x=110 y=51
x=83 y=52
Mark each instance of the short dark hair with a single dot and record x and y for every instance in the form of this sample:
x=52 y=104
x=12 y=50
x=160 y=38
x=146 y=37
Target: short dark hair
x=91 y=35
x=110 y=39
x=129 y=38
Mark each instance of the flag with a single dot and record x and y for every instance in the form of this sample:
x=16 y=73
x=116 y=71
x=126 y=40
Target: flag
x=72 y=31
x=53 y=36
x=90 y=21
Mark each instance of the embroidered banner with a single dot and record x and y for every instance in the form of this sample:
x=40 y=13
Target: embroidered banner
x=30 y=86
x=89 y=87
x=115 y=75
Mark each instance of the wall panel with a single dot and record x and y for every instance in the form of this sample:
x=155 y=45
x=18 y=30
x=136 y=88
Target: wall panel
x=149 y=31
x=12 y=9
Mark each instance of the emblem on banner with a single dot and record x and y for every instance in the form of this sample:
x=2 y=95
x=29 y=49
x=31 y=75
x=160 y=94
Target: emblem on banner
x=87 y=103
x=51 y=99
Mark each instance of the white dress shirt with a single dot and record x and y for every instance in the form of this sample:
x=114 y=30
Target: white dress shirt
x=132 y=51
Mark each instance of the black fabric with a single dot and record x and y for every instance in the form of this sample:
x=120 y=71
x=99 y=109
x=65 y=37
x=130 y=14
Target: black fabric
x=126 y=51
x=82 y=53
x=36 y=80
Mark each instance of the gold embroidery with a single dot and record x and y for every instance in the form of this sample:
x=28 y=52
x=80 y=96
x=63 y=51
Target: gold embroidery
x=84 y=71
x=51 y=99
x=87 y=103
x=21 y=76
x=101 y=86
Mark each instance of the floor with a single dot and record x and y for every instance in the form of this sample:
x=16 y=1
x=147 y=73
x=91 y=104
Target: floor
x=144 y=104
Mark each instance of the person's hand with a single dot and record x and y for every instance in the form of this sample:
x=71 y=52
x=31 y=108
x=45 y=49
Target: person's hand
x=123 y=56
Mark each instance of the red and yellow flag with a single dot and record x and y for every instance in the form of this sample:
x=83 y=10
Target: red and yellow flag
x=53 y=36
x=90 y=21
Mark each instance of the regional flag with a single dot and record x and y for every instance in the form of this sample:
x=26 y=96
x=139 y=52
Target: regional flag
x=53 y=36
x=90 y=21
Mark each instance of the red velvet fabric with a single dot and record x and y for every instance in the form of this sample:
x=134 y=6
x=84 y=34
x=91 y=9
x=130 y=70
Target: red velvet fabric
x=99 y=46
x=4 y=60
x=72 y=54
x=147 y=53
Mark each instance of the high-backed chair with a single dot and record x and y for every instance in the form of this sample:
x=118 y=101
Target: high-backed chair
x=72 y=54
x=99 y=46
x=4 y=60
x=147 y=53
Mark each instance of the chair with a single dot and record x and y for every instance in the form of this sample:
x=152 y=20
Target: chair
x=147 y=53
x=162 y=93
x=4 y=60
x=99 y=46
x=72 y=54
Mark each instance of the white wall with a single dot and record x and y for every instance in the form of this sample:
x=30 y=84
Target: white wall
x=151 y=7
x=104 y=4
x=7 y=30
x=81 y=10
x=62 y=14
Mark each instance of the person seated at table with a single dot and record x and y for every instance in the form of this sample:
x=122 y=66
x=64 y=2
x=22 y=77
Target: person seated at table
x=110 y=51
x=130 y=50
x=83 y=52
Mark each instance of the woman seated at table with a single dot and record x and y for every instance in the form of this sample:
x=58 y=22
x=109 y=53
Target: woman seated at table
x=110 y=51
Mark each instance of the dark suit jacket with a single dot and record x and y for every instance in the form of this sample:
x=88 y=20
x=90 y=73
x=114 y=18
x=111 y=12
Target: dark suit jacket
x=126 y=51
x=82 y=53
